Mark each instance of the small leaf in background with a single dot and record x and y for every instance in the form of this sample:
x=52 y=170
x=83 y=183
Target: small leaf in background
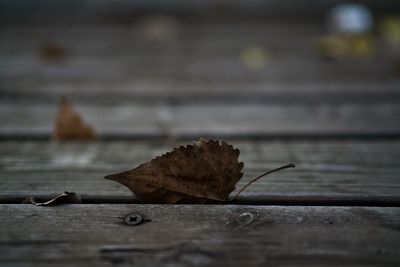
x=333 y=47
x=64 y=198
x=70 y=126
x=205 y=172
x=254 y=57
x=160 y=28
x=362 y=46
x=341 y=47
x=51 y=51
x=389 y=29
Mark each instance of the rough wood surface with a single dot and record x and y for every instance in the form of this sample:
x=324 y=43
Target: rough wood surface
x=127 y=85
x=324 y=169
x=127 y=12
x=209 y=119
x=195 y=84
x=82 y=235
x=204 y=60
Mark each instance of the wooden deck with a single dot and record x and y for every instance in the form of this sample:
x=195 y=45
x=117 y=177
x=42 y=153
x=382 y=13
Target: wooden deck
x=338 y=121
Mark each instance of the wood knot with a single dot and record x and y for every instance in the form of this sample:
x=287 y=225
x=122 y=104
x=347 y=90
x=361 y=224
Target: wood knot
x=241 y=221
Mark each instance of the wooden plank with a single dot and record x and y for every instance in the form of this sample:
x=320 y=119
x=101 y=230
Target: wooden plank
x=211 y=235
x=202 y=66
x=123 y=11
x=169 y=92
x=195 y=44
x=209 y=119
x=348 y=172
x=204 y=60
x=196 y=67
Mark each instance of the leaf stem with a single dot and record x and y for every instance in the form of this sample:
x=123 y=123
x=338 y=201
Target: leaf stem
x=290 y=165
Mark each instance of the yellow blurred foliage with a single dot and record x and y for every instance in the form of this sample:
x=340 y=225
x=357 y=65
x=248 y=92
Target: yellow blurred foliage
x=345 y=46
x=254 y=57
x=389 y=28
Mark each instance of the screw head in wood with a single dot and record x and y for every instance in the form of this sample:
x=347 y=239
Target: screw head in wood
x=133 y=219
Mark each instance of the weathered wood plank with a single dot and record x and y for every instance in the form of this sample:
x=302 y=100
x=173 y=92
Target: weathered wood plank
x=202 y=67
x=185 y=235
x=209 y=119
x=132 y=86
x=126 y=67
x=128 y=11
x=169 y=92
x=88 y=12
x=204 y=60
x=348 y=171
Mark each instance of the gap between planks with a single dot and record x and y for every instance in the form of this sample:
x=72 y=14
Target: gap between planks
x=254 y=136
x=255 y=200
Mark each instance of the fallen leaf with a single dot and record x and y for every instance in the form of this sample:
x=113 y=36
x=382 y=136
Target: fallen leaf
x=70 y=126
x=362 y=46
x=341 y=47
x=333 y=47
x=160 y=28
x=64 y=198
x=254 y=57
x=205 y=172
x=51 y=51
x=389 y=29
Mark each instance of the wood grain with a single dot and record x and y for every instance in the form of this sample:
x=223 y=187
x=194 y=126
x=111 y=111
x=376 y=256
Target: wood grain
x=127 y=85
x=195 y=84
x=209 y=119
x=199 y=235
x=326 y=170
x=204 y=60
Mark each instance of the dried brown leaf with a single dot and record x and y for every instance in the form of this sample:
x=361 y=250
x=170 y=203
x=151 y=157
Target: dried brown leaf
x=160 y=28
x=70 y=126
x=51 y=51
x=206 y=171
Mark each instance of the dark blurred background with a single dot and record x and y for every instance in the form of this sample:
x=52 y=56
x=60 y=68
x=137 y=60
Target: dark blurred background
x=202 y=68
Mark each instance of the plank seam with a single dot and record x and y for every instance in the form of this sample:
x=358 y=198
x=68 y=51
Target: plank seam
x=236 y=136
x=255 y=201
